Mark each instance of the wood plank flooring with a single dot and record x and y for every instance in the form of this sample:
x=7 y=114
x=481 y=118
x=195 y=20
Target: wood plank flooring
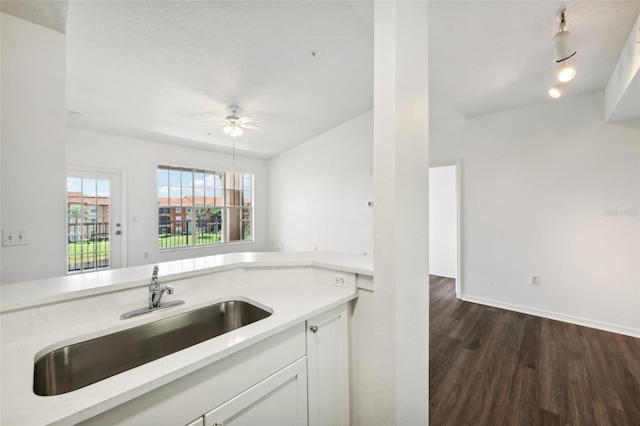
x=489 y=366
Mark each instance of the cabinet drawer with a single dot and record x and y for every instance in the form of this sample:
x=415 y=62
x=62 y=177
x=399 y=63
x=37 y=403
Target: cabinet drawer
x=279 y=400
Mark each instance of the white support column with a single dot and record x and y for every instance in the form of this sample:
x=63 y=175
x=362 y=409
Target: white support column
x=401 y=172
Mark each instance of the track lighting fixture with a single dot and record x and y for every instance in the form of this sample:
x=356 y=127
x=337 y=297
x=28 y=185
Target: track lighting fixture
x=563 y=49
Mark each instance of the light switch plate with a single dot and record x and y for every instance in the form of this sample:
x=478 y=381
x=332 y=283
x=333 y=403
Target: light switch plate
x=15 y=237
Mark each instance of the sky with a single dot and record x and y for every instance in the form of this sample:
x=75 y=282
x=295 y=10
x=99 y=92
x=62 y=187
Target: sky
x=89 y=187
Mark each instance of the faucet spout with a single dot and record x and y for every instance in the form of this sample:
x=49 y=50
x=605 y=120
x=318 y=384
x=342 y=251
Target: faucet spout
x=156 y=291
x=154 y=275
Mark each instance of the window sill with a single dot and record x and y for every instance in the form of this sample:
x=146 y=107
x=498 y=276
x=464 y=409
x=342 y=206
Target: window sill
x=232 y=243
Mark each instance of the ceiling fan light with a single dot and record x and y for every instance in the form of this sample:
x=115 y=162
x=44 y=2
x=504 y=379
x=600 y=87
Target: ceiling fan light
x=555 y=92
x=232 y=130
x=566 y=73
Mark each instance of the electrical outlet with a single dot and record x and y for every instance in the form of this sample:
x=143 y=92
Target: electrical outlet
x=534 y=279
x=339 y=280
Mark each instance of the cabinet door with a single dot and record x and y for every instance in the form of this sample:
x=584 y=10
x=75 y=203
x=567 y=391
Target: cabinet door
x=328 y=368
x=279 y=400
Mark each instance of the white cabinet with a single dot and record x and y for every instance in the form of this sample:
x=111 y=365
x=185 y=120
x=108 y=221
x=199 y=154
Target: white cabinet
x=328 y=368
x=294 y=378
x=280 y=400
x=197 y=422
x=190 y=397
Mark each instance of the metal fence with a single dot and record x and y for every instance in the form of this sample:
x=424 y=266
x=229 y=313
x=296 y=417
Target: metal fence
x=180 y=233
x=87 y=246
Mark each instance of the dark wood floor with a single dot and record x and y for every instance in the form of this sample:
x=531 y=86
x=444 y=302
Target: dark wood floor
x=490 y=366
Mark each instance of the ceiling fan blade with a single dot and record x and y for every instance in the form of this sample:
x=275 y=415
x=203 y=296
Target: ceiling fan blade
x=250 y=127
x=216 y=116
x=216 y=122
x=244 y=120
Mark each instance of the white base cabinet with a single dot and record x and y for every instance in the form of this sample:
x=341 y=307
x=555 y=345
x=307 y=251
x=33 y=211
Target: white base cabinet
x=298 y=377
x=328 y=368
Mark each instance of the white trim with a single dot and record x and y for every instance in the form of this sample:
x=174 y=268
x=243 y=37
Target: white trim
x=627 y=331
x=364 y=282
x=458 y=166
x=443 y=274
x=459 y=230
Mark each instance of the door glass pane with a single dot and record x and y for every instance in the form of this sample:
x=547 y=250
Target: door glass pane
x=88 y=202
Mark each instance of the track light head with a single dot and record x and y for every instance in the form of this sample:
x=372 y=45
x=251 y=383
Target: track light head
x=566 y=73
x=563 y=45
x=555 y=92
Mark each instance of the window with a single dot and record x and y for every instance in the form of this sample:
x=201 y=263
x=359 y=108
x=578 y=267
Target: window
x=219 y=206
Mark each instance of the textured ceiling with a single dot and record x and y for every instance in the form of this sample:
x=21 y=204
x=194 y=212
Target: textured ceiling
x=48 y=13
x=487 y=57
x=149 y=69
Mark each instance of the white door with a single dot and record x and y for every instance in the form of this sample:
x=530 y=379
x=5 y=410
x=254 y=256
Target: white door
x=95 y=225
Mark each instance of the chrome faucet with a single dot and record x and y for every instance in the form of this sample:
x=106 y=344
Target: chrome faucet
x=155 y=295
x=156 y=291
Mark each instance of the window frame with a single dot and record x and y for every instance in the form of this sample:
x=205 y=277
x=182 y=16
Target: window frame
x=222 y=193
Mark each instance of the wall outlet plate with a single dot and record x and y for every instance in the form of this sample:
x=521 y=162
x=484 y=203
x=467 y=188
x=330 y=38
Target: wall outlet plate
x=340 y=280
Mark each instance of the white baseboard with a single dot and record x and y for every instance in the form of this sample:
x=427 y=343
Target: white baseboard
x=443 y=274
x=627 y=331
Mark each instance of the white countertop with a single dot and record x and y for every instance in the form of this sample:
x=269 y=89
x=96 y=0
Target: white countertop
x=291 y=305
x=31 y=293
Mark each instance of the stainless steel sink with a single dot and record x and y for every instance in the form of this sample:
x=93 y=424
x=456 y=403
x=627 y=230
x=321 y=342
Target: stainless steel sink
x=75 y=366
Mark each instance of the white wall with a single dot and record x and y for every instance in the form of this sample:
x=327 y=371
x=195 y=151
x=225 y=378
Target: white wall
x=318 y=192
x=537 y=185
x=33 y=148
x=139 y=159
x=443 y=221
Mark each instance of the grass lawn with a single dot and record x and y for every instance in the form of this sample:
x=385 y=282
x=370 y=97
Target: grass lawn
x=88 y=247
x=87 y=255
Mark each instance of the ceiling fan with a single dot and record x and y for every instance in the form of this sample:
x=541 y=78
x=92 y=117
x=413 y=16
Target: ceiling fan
x=233 y=124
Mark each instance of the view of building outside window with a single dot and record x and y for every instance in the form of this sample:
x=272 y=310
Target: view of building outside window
x=202 y=207
x=88 y=215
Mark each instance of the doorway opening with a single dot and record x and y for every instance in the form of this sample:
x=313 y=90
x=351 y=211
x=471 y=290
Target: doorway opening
x=444 y=222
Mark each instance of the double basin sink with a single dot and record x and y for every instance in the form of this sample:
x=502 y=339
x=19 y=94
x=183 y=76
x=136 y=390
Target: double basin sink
x=75 y=366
